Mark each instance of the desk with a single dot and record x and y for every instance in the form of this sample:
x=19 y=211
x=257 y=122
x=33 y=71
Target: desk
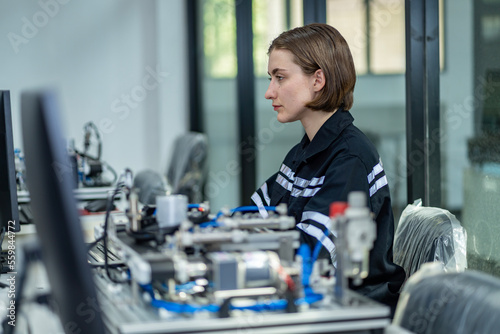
x=81 y=194
x=122 y=316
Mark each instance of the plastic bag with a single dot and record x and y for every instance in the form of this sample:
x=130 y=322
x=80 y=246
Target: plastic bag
x=429 y=234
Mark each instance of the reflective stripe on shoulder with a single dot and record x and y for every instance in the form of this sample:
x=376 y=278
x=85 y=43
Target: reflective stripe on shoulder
x=297 y=186
x=377 y=169
x=378 y=184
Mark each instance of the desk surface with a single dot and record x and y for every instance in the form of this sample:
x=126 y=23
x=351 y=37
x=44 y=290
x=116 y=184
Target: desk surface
x=123 y=316
x=81 y=194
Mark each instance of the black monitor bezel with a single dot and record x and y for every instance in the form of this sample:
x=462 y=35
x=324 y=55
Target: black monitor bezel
x=51 y=185
x=9 y=210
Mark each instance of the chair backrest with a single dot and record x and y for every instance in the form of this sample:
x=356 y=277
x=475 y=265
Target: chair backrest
x=186 y=172
x=429 y=234
x=459 y=303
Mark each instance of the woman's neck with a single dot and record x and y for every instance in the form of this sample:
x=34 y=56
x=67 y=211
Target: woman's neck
x=314 y=121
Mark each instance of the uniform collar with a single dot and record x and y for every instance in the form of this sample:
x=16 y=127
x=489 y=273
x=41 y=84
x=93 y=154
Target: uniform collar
x=328 y=132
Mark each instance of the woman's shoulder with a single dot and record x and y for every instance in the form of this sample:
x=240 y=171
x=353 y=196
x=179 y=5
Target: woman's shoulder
x=356 y=141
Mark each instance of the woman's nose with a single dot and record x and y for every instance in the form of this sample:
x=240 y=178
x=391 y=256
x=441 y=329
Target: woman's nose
x=270 y=92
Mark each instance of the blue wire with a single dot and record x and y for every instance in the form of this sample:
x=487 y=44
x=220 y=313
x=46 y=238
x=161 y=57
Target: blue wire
x=307 y=267
x=317 y=247
x=252 y=208
x=274 y=305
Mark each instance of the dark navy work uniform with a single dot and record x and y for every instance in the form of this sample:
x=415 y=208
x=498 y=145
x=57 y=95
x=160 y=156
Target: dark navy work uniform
x=340 y=159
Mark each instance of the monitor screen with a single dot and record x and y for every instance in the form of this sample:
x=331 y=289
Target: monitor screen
x=51 y=185
x=9 y=213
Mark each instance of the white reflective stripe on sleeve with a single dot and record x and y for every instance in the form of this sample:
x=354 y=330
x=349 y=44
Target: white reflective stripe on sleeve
x=266 y=194
x=317 y=217
x=256 y=199
x=284 y=183
x=310 y=192
x=317 y=181
x=287 y=171
x=377 y=169
x=301 y=182
x=378 y=184
x=318 y=234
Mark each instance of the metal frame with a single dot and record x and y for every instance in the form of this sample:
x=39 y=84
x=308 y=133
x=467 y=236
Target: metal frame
x=314 y=11
x=245 y=81
x=194 y=84
x=422 y=102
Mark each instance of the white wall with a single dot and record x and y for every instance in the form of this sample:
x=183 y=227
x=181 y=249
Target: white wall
x=119 y=63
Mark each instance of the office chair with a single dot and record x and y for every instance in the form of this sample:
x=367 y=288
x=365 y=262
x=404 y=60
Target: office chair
x=429 y=234
x=186 y=173
x=434 y=301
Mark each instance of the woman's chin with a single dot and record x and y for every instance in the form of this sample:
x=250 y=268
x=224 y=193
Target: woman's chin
x=283 y=119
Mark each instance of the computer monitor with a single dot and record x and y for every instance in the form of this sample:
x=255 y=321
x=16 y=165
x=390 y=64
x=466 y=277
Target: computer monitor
x=9 y=213
x=50 y=183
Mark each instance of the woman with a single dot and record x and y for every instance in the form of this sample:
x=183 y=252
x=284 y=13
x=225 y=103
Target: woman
x=312 y=81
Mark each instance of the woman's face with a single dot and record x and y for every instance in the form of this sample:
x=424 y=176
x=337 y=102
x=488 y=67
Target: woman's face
x=290 y=88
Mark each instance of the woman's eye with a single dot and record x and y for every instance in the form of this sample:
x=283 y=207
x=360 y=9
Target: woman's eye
x=278 y=77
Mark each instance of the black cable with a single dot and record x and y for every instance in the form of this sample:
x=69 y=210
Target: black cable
x=104 y=237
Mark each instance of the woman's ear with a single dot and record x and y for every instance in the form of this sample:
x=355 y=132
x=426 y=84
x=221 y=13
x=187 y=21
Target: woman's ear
x=319 y=80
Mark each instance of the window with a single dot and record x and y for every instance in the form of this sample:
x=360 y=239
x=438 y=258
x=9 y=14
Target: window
x=219 y=38
x=375 y=31
x=270 y=18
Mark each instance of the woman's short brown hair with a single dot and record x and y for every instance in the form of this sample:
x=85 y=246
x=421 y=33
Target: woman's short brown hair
x=320 y=46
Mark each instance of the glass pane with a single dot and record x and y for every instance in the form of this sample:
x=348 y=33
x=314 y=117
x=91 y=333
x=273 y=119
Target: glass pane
x=379 y=101
x=470 y=95
x=387 y=36
x=273 y=139
x=219 y=101
x=349 y=17
x=219 y=38
x=270 y=18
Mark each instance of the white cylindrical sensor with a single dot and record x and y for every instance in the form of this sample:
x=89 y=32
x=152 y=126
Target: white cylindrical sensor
x=171 y=210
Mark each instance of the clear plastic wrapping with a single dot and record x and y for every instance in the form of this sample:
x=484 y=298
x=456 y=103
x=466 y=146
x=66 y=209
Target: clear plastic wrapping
x=434 y=301
x=429 y=234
